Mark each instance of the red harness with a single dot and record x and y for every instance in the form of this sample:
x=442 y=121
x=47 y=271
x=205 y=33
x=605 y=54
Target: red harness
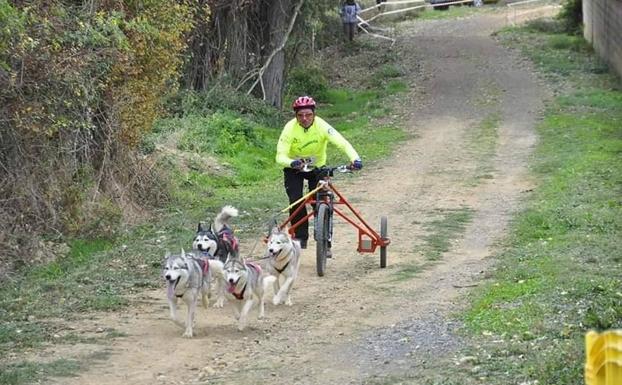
x=204 y=265
x=227 y=236
x=252 y=265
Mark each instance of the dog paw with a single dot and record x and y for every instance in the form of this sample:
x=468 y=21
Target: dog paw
x=289 y=302
x=241 y=327
x=187 y=334
x=276 y=300
x=219 y=304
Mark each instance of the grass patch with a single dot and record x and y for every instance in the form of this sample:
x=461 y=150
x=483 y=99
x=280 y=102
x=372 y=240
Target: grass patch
x=345 y=103
x=558 y=274
x=30 y=372
x=408 y=271
x=449 y=225
x=482 y=145
x=389 y=71
x=561 y=57
x=454 y=12
x=79 y=254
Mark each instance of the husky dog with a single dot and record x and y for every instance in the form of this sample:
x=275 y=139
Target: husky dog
x=218 y=241
x=283 y=255
x=188 y=278
x=245 y=285
x=216 y=268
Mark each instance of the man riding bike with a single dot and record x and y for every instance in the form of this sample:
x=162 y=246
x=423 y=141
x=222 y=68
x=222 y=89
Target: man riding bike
x=303 y=141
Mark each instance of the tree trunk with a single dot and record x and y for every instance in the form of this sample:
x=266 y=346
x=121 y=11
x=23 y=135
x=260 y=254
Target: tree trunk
x=280 y=12
x=238 y=42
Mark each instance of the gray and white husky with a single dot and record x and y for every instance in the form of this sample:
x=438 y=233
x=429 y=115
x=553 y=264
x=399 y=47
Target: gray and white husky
x=188 y=278
x=283 y=255
x=246 y=285
x=217 y=281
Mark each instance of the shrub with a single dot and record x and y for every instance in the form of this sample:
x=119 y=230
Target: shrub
x=571 y=16
x=223 y=133
x=307 y=80
x=220 y=98
x=80 y=87
x=546 y=25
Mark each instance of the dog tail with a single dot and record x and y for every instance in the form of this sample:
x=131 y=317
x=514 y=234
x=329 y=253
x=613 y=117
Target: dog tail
x=223 y=217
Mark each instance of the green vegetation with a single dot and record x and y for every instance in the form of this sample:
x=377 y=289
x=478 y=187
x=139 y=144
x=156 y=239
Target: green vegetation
x=562 y=57
x=81 y=85
x=482 y=143
x=307 y=80
x=409 y=271
x=558 y=274
x=32 y=372
x=452 y=13
x=448 y=225
x=571 y=16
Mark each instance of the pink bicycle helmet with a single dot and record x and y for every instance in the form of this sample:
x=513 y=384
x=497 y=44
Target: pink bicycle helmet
x=303 y=102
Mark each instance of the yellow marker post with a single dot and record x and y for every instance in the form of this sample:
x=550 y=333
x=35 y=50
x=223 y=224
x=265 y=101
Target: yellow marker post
x=603 y=358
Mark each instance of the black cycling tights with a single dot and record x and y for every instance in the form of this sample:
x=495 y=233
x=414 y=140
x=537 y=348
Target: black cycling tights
x=294 y=185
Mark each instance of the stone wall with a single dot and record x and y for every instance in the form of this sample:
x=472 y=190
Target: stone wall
x=602 y=20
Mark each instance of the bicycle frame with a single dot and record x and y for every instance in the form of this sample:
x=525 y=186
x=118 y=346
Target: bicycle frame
x=368 y=238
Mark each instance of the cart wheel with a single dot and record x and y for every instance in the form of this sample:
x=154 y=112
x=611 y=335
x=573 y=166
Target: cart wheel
x=383 y=235
x=321 y=238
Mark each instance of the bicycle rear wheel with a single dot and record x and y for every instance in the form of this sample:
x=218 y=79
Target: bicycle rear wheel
x=322 y=228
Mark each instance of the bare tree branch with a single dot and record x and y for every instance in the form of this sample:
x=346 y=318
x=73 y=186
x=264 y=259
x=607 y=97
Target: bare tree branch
x=275 y=51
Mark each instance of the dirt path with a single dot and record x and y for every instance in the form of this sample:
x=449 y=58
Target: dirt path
x=360 y=322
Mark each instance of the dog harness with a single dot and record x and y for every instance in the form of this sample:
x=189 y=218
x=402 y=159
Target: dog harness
x=257 y=268
x=227 y=235
x=226 y=242
x=239 y=295
x=176 y=283
x=204 y=264
x=284 y=267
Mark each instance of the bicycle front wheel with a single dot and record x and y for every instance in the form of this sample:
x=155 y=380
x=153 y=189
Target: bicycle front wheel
x=322 y=228
x=383 y=236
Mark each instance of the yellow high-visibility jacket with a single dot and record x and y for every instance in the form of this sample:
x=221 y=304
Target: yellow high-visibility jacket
x=295 y=143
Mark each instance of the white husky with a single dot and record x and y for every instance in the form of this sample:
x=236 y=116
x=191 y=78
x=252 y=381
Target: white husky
x=283 y=260
x=245 y=285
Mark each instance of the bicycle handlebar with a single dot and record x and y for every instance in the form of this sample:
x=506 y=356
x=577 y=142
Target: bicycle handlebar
x=329 y=171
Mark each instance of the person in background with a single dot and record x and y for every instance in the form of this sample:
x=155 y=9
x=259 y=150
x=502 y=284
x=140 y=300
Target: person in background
x=350 y=9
